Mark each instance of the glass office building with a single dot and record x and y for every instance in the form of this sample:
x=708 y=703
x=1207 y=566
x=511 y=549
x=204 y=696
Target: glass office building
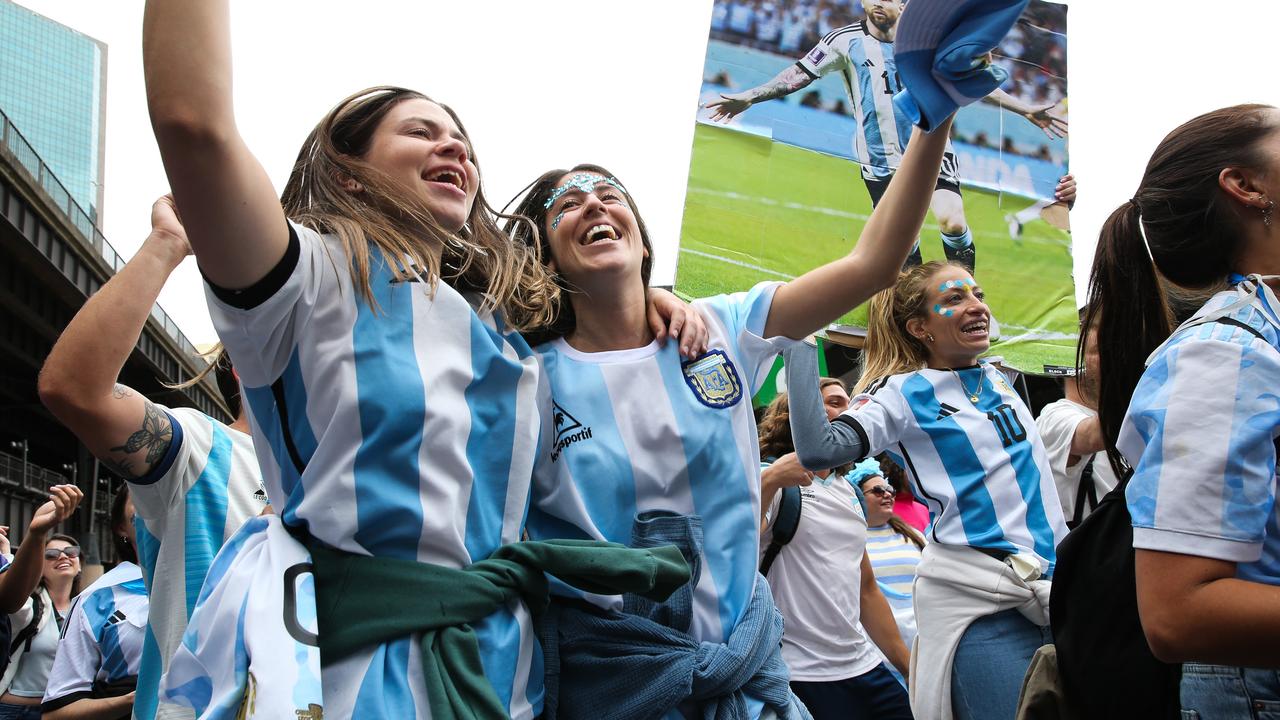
x=53 y=88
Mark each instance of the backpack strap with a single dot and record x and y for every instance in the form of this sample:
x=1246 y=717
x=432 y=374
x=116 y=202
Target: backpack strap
x=1086 y=491
x=28 y=634
x=784 y=527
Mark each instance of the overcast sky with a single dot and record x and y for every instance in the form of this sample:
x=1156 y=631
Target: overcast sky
x=623 y=79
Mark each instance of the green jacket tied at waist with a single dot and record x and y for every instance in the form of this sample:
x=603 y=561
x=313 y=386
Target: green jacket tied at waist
x=363 y=601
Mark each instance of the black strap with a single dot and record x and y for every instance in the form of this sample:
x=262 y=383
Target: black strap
x=784 y=526
x=28 y=634
x=1086 y=491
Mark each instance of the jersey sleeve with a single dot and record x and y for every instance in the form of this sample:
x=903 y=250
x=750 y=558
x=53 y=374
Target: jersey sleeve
x=822 y=59
x=819 y=444
x=1203 y=454
x=881 y=414
x=76 y=663
x=744 y=316
x=260 y=325
x=157 y=493
x=1057 y=427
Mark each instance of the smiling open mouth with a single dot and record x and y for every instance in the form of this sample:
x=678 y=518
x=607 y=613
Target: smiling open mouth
x=598 y=233
x=975 y=328
x=450 y=177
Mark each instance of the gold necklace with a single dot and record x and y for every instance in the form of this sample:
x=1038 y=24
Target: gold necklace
x=974 y=395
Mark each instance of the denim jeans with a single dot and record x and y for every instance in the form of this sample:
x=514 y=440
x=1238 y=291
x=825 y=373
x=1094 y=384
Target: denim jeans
x=874 y=695
x=990 y=663
x=19 y=712
x=1214 y=692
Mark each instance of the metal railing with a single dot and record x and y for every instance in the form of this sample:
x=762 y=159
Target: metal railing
x=28 y=476
x=17 y=148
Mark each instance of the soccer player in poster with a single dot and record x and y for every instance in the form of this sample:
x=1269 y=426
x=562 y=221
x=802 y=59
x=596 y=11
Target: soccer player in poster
x=863 y=54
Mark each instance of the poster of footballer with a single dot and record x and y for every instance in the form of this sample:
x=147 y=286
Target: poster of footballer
x=797 y=138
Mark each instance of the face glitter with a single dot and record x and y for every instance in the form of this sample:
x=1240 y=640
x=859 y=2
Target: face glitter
x=584 y=182
x=556 y=222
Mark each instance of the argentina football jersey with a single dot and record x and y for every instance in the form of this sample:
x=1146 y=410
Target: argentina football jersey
x=402 y=428
x=639 y=430
x=870 y=77
x=971 y=449
x=1200 y=434
x=196 y=497
x=101 y=645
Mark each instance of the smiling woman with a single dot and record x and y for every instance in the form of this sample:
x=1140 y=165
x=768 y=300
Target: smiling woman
x=969 y=445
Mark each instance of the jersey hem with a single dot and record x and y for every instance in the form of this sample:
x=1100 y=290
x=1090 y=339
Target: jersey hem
x=1217 y=548
x=160 y=469
x=270 y=284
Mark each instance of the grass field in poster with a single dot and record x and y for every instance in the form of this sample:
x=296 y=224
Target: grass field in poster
x=761 y=210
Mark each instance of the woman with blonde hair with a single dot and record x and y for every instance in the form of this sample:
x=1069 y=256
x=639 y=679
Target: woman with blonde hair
x=968 y=444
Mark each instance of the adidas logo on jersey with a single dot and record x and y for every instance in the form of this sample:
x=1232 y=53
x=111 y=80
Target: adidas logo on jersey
x=568 y=431
x=116 y=617
x=868 y=63
x=947 y=411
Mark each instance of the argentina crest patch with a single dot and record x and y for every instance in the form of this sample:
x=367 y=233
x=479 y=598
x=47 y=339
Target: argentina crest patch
x=713 y=379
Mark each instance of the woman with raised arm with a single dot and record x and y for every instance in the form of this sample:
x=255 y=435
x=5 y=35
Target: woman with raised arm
x=961 y=432
x=36 y=628
x=649 y=448
x=372 y=319
x=1195 y=414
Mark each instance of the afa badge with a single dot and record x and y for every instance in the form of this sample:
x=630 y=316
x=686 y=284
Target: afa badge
x=713 y=379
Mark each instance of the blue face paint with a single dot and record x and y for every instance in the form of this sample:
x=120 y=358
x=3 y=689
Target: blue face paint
x=556 y=222
x=944 y=313
x=962 y=282
x=585 y=182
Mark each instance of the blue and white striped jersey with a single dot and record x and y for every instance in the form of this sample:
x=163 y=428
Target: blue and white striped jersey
x=102 y=639
x=204 y=489
x=870 y=78
x=1199 y=434
x=637 y=430
x=980 y=466
x=405 y=430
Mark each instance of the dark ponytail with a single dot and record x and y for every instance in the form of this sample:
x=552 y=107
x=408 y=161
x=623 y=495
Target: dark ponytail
x=1179 y=227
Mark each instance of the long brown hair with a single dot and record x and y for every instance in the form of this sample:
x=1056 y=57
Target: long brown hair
x=775 y=425
x=534 y=234
x=382 y=218
x=890 y=349
x=1193 y=232
x=75 y=582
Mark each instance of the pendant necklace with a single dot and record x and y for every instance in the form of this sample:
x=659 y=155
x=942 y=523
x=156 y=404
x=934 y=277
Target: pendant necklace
x=976 y=394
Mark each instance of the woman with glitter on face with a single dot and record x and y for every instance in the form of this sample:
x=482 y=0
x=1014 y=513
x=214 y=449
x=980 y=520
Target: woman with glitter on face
x=969 y=445
x=647 y=448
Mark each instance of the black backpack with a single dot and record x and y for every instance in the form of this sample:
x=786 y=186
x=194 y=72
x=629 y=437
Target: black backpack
x=10 y=642
x=784 y=526
x=1086 y=492
x=1106 y=668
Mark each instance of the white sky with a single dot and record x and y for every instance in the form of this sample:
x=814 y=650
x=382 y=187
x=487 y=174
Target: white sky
x=623 y=79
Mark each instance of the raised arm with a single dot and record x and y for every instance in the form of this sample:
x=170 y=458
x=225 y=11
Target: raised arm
x=818 y=297
x=236 y=224
x=78 y=382
x=1042 y=116
x=783 y=84
x=20 y=580
x=819 y=444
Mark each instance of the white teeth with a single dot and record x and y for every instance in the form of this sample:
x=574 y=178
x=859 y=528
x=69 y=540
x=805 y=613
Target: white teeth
x=450 y=177
x=600 y=232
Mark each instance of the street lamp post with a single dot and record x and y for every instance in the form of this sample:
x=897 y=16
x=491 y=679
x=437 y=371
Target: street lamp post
x=22 y=445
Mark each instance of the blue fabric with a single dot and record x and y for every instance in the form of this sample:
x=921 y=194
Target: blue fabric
x=19 y=712
x=1219 y=692
x=638 y=664
x=874 y=695
x=940 y=47
x=990 y=663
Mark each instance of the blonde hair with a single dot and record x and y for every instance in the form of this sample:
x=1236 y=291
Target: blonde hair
x=890 y=349
x=382 y=218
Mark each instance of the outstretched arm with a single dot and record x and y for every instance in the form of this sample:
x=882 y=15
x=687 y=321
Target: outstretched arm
x=1042 y=116
x=236 y=224
x=819 y=444
x=784 y=83
x=78 y=382
x=818 y=297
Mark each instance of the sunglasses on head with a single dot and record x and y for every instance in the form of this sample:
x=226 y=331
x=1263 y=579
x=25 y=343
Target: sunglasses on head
x=72 y=552
x=881 y=491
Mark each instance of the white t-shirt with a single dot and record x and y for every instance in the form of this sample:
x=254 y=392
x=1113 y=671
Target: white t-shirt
x=816 y=581
x=1057 y=424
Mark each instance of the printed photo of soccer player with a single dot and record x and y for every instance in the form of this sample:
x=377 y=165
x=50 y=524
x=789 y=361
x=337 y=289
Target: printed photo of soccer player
x=771 y=184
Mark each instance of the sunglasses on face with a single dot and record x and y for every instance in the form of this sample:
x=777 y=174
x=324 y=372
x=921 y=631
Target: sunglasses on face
x=72 y=552
x=881 y=491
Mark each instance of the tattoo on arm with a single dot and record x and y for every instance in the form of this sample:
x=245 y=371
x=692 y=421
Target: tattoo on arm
x=786 y=82
x=120 y=391
x=152 y=438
